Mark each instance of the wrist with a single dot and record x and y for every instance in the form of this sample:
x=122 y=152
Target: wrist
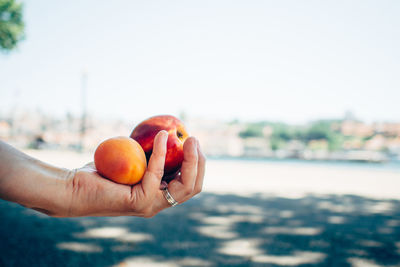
x=33 y=183
x=52 y=195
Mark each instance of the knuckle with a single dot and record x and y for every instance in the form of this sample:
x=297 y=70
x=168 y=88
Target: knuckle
x=188 y=190
x=159 y=153
x=191 y=157
x=158 y=172
x=198 y=189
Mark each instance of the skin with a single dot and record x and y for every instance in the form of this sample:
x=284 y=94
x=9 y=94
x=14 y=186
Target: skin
x=83 y=192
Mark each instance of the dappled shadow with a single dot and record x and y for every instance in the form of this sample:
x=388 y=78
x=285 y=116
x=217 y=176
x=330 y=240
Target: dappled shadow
x=212 y=230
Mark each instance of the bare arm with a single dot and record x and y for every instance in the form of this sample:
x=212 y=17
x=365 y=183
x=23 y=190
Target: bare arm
x=30 y=182
x=83 y=192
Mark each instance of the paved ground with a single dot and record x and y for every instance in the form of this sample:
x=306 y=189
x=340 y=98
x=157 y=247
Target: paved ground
x=212 y=230
x=250 y=214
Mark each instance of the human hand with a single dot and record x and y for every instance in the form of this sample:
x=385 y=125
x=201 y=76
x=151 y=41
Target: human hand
x=92 y=195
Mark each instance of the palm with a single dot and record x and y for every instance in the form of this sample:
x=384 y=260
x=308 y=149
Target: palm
x=93 y=194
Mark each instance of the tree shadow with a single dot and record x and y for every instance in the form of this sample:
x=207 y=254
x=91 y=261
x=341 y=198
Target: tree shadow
x=212 y=230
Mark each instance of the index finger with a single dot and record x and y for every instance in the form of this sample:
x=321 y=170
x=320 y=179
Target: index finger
x=155 y=169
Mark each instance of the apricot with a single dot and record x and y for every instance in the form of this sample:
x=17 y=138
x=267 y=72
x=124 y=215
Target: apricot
x=120 y=159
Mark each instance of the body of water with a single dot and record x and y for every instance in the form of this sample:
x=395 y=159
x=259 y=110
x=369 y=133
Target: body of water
x=386 y=166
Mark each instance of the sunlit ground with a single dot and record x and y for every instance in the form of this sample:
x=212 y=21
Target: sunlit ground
x=230 y=224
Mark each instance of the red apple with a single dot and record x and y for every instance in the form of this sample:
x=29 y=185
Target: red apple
x=145 y=132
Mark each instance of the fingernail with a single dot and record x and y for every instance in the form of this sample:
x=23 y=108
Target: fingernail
x=164 y=134
x=194 y=143
x=163 y=185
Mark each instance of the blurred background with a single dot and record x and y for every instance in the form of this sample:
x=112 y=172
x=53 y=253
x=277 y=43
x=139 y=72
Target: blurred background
x=295 y=103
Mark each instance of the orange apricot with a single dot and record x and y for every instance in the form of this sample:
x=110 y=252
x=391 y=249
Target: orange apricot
x=120 y=159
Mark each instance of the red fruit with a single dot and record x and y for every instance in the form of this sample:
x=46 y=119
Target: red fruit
x=145 y=132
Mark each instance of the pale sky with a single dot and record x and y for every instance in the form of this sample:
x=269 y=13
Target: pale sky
x=293 y=61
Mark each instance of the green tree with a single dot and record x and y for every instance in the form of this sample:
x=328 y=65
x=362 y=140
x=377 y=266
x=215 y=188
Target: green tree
x=11 y=24
x=322 y=130
x=281 y=134
x=254 y=129
x=319 y=130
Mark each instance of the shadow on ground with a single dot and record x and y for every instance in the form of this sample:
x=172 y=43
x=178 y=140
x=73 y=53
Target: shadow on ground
x=212 y=230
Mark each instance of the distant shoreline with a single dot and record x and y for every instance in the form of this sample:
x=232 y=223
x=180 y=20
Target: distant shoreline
x=389 y=165
x=73 y=159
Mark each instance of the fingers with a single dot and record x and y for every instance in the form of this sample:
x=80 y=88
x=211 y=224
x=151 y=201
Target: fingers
x=189 y=165
x=198 y=185
x=155 y=169
x=191 y=178
x=186 y=184
x=201 y=169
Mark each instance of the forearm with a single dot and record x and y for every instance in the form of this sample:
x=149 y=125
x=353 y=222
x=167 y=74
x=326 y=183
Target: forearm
x=32 y=183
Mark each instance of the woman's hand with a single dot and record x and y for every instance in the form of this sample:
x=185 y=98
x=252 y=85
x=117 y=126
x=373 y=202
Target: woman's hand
x=93 y=195
x=83 y=192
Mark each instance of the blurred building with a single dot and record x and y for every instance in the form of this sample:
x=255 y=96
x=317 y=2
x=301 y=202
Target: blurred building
x=5 y=130
x=218 y=138
x=355 y=128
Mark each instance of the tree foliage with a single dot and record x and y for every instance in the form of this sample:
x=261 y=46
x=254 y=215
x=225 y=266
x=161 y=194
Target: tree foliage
x=11 y=24
x=283 y=133
x=322 y=130
x=252 y=130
